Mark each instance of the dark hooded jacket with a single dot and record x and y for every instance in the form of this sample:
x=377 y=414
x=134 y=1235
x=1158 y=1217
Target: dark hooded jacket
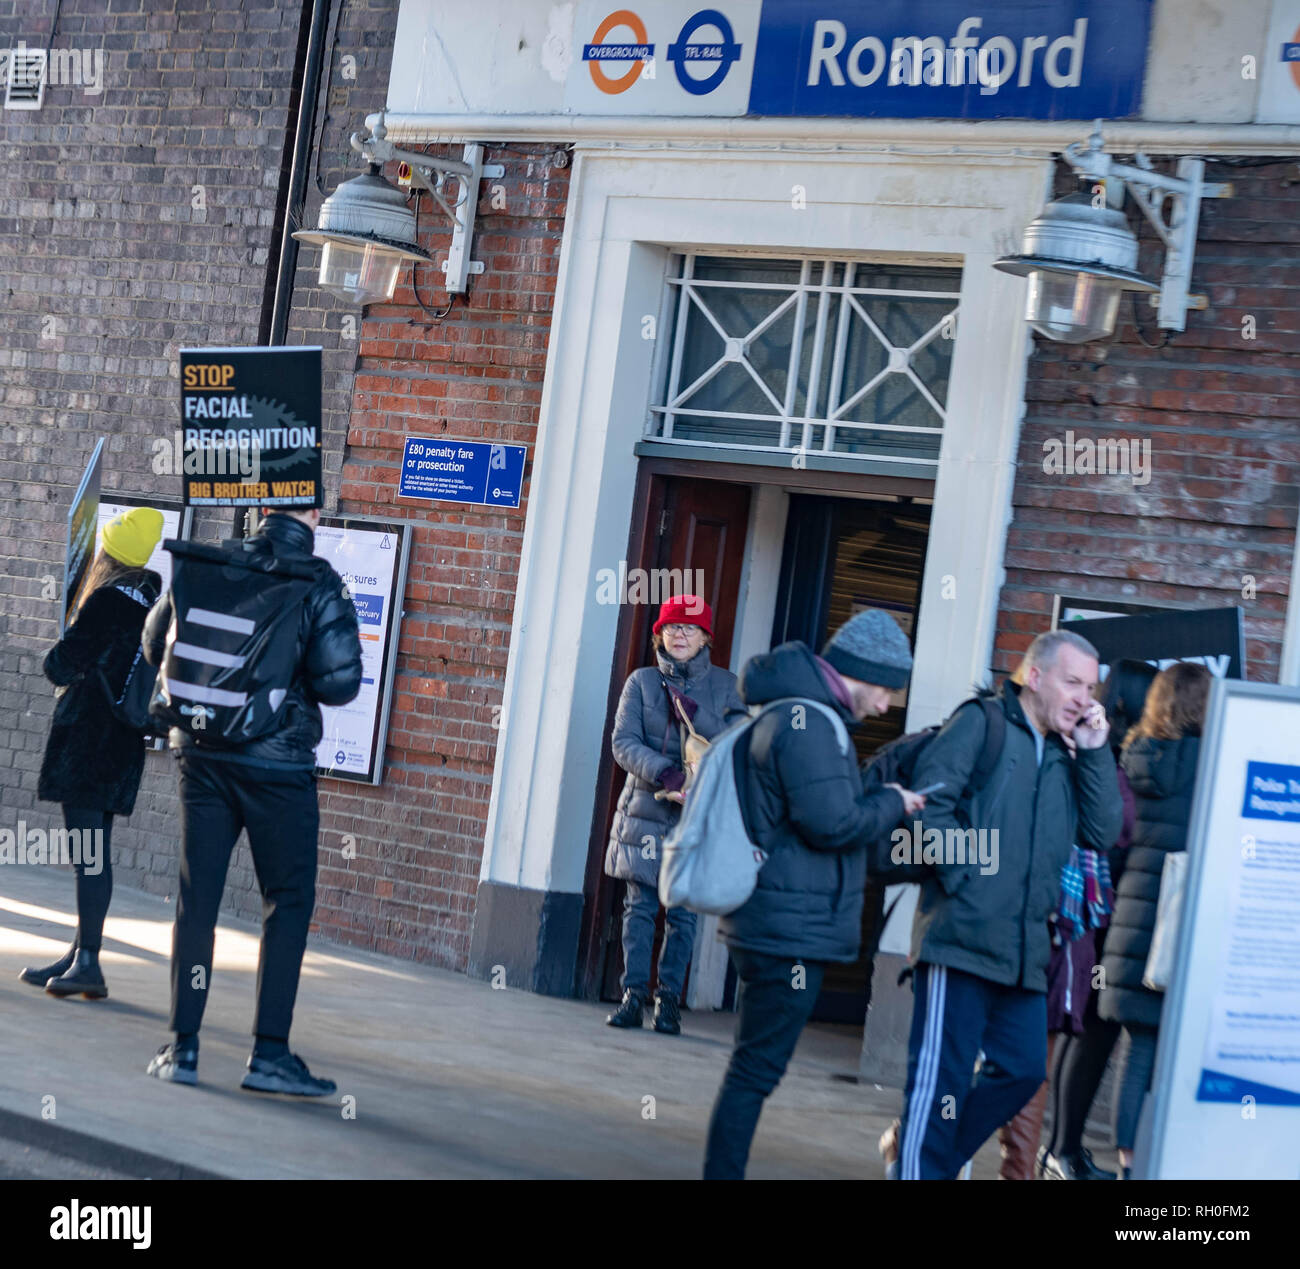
x=804 y=804
x=1163 y=776
x=329 y=654
x=91 y=760
x=993 y=923
x=647 y=744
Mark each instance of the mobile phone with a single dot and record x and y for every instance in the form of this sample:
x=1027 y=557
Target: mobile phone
x=929 y=788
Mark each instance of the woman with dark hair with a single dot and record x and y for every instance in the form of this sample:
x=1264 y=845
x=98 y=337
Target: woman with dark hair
x=1088 y=1041
x=649 y=743
x=1159 y=759
x=93 y=762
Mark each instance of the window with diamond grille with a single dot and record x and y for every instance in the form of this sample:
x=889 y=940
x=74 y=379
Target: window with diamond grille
x=842 y=358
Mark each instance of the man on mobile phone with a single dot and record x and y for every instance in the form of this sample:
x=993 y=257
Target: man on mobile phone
x=979 y=940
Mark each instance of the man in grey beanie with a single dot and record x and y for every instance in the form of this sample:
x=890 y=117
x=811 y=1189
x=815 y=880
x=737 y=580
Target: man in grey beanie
x=804 y=805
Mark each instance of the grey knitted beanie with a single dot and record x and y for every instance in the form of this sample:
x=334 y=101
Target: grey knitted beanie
x=871 y=646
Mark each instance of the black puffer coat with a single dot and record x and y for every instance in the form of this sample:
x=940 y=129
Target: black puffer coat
x=329 y=655
x=1163 y=776
x=804 y=804
x=647 y=743
x=91 y=760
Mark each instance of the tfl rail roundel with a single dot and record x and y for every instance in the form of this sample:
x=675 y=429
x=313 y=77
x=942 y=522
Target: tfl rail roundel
x=683 y=53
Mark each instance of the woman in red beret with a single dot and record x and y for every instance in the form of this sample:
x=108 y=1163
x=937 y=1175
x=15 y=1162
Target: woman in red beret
x=648 y=742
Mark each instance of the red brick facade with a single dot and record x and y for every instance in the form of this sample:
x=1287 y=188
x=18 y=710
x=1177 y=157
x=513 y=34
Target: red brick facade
x=1221 y=413
x=475 y=374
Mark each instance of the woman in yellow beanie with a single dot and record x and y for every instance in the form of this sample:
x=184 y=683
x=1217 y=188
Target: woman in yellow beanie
x=93 y=762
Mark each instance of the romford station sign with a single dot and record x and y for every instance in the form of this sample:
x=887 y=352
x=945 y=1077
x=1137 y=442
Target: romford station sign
x=998 y=59
x=251 y=427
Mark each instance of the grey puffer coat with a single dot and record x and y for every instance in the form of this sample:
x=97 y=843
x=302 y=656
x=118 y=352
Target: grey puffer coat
x=647 y=743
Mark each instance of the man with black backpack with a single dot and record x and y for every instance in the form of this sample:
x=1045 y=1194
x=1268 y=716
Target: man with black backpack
x=253 y=637
x=980 y=942
x=804 y=805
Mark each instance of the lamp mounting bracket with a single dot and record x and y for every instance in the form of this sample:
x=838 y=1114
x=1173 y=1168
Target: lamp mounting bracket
x=1172 y=205
x=430 y=173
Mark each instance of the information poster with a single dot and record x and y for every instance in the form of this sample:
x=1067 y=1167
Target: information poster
x=1253 y=1047
x=371 y=558
x=80 y=550
x=1225 y=1098
x=175 y=525
x=251 y=427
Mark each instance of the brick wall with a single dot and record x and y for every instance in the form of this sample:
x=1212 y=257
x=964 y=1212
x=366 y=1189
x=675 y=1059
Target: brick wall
x=474 y=374
x=108 y=268
x=1220 y=411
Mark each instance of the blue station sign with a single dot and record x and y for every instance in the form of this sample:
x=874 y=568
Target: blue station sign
x=444 y=470
x=996 y=59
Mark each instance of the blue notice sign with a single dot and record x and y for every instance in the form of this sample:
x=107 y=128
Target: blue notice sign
x=998 y=59
x=462 y=471
x=1272 y=792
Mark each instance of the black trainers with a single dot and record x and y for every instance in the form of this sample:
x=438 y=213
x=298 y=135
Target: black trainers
x=287 y=1074
x=39 y=977
x=629 y=1013
x=174 y=1064
x=668 y=1013
x=83 y=978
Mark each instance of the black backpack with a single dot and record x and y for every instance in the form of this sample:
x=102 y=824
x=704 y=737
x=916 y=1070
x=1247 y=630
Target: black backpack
x=895 y=763
x=232 y=651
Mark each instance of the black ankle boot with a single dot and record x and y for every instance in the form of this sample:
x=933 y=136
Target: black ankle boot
x=83 y=979
x=39 y=977
x=668 y=1013
x=629 y=1013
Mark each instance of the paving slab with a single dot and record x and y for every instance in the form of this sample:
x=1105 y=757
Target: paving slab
x=440 y=1075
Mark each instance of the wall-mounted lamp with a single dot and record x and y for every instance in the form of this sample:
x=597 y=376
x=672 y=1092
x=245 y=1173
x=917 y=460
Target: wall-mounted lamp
x=1080 y=255
x=367 y=230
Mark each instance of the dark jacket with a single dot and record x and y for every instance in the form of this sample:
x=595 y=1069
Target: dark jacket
x=995 y=924
x=92 y=760
x=805 y=806
x=647 y=744
x=1163 y=776
x=329 y=655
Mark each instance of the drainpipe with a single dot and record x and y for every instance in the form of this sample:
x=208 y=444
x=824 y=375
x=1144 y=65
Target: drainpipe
x=303 y=124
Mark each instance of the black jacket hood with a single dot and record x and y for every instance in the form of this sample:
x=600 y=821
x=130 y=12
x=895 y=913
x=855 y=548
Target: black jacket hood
x=1161 y=768
x=790 y=669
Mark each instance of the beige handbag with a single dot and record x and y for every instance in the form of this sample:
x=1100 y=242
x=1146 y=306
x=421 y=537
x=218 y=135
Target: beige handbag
x=1169 y=918
x=693 y=747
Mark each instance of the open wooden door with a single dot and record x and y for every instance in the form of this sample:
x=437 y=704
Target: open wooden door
x=678 y=523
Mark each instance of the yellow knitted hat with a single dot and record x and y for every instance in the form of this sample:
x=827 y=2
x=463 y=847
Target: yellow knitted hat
x=130 y=536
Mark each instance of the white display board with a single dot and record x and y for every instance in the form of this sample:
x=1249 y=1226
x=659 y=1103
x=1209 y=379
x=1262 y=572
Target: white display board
x=1225 y=1100
x=175 y=525
x=371 y=557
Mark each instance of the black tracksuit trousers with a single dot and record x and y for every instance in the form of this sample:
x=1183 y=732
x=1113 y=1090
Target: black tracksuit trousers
x=279 y=811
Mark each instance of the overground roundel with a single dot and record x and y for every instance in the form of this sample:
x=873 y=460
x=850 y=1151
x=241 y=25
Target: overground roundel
x=1287 y=54
x=639 y=53
x=723 y=54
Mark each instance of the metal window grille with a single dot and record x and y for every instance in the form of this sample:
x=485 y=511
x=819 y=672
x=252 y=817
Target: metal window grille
x=838 y=357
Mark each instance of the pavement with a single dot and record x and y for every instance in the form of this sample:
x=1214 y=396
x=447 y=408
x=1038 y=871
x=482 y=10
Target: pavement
x=440 y=1075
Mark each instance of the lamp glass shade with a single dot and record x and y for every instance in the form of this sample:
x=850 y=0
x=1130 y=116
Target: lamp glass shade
x=1072 y=307
x=360 y=273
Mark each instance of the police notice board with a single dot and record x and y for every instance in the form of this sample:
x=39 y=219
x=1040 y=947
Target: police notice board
x=371 y=557
x=1225 y=1099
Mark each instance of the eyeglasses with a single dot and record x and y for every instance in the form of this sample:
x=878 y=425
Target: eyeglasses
x=680 y=628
